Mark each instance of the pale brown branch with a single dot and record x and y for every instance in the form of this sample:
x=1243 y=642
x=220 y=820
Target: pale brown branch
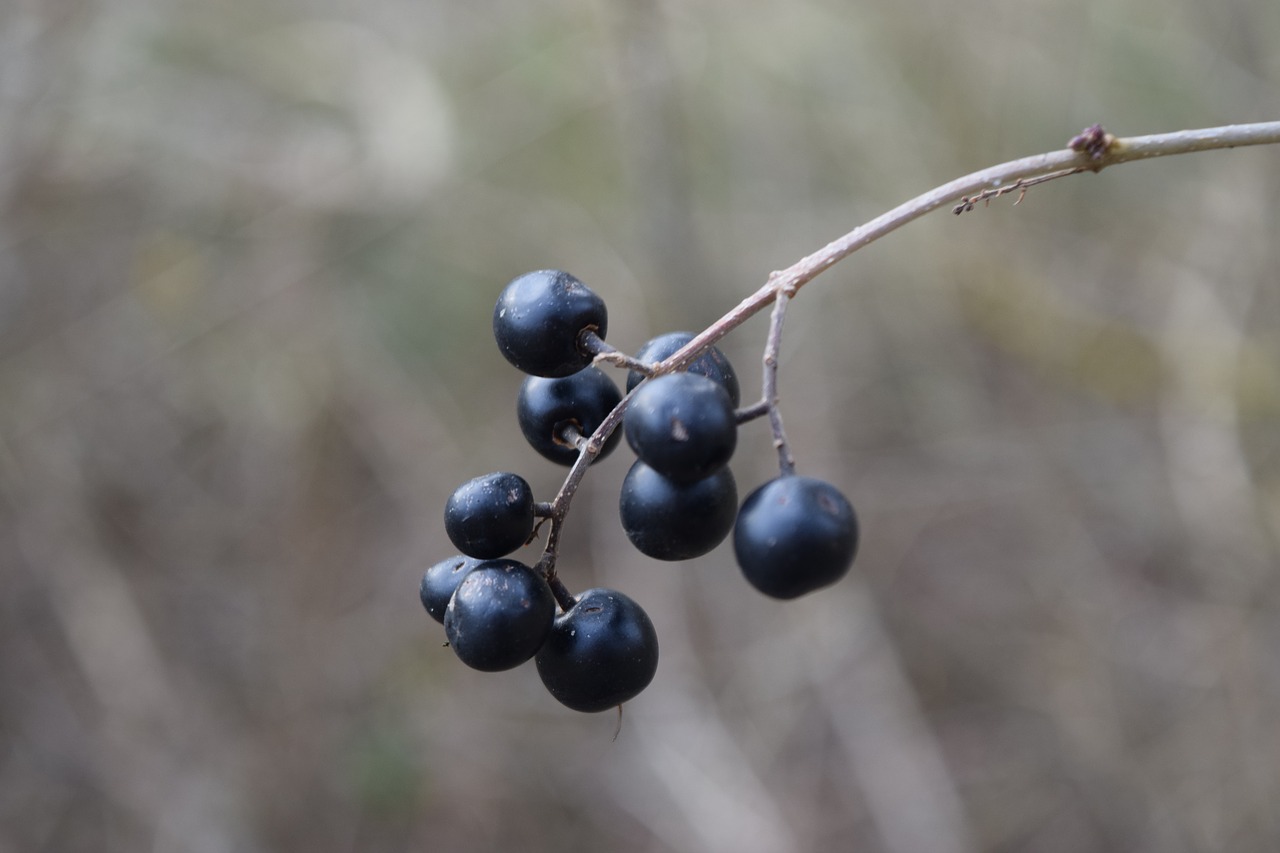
x=1117 y=150
x=786 y=462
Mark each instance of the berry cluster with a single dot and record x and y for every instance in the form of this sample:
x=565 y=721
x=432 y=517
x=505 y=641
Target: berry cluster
x=678 y=501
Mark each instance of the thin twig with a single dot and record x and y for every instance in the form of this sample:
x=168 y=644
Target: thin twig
x=1020 y=186
x=769 y=386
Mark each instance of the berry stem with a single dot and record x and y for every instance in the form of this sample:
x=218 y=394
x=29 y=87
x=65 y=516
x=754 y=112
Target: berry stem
x=769 y=385
x=609 y=354
x=571 y=436
x=750 y=413
x=588 y=450
x=1115 y=152
x=563 y=597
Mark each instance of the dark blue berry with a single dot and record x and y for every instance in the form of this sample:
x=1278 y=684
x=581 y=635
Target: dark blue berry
x=794 y=535
x=499 y=615
x=539 y=320
x=667 y=520
x=712 y=364
x=547 y=407
x=682 y=426
x=439 y=582
x=599 y=654
x=490 y=516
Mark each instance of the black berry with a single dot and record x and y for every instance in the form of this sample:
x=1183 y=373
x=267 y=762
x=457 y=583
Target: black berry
x=712 y=364
x=599 y=654
x=499 y=616
x=667 y=520
x=682 y=426
x=540 y=318
x=794 y=535
x=440 y=581
x=547 y=407
x=490 y=516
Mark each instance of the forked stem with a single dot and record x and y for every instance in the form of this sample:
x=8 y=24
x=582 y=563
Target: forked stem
x=1092 y=150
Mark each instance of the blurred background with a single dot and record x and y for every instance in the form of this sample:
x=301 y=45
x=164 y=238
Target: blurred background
x=248 y=258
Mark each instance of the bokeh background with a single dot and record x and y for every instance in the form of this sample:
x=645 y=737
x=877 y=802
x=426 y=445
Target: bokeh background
x=248 y=255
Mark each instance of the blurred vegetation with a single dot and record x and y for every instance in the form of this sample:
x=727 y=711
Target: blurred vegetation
x=248 y=254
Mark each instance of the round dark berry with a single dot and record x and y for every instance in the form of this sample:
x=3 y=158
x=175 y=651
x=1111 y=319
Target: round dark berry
x=499 y=615
x=581 y=401
x=599 y=654
x=682 y=426
x=439 y=582
x=539 y=319
x=490 y=516
x=667 y=520
x=794 y=535
x=712 y=364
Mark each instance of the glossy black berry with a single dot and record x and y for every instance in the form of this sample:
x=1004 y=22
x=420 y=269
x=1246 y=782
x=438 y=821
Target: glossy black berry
x=682 y=426
x=440 y=581
x=794 y=535
x=546 y=407
x=539 y=319
x=490 y=516
x=599 y=654
x=667 y=520
x=713 y=364
x=499 y=615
